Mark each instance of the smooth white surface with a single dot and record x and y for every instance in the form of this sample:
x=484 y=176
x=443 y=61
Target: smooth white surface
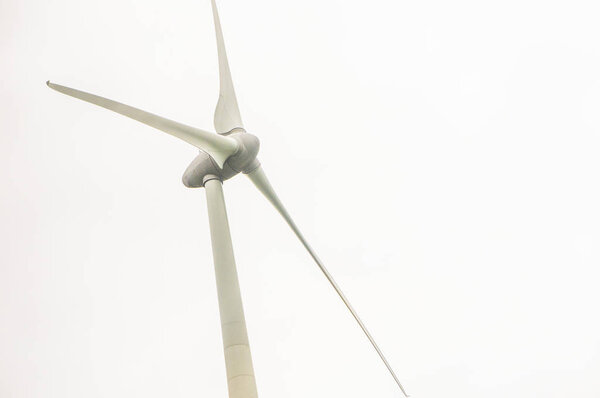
x=227 y=114
x=220 y=148
x=238 y=359
x=477 y=270
x=260 y=180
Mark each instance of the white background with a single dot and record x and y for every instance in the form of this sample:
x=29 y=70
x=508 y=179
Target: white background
x=442 y=157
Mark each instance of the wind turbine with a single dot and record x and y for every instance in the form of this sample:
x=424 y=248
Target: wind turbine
x=223 y=155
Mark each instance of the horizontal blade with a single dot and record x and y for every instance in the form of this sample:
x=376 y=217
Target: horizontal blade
x=260 y=180
x=217 y=146
x=227 y=113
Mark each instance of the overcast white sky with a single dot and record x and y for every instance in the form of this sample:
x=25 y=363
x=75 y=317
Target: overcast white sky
x=442 y=157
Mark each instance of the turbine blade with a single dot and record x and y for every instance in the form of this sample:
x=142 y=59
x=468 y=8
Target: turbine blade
x=260 y=180
x=217 y=146
x=227 y=113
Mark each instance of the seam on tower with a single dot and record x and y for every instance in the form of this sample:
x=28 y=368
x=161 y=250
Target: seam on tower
x=247 y=375
x=235 y=345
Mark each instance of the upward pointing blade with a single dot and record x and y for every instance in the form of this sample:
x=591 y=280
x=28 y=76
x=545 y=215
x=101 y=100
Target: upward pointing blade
x=217 y=146
x=227 y=113
x=260 y=180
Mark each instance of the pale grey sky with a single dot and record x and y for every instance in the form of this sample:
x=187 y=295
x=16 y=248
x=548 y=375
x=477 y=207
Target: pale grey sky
x=453 y=194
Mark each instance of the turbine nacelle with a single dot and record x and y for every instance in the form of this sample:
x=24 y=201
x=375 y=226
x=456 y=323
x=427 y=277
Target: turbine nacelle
x=244 y=160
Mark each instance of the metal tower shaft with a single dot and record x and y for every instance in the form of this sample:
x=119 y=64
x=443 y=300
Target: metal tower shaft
x=238 y=361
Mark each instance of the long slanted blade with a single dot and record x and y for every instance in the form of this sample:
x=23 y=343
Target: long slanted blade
x=259 y=179
x=217 y=146
x=227 y=113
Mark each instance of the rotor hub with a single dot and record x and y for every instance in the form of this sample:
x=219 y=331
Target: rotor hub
x=242 y=161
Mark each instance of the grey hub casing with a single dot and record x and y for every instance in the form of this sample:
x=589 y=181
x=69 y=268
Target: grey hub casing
x=243 y=161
